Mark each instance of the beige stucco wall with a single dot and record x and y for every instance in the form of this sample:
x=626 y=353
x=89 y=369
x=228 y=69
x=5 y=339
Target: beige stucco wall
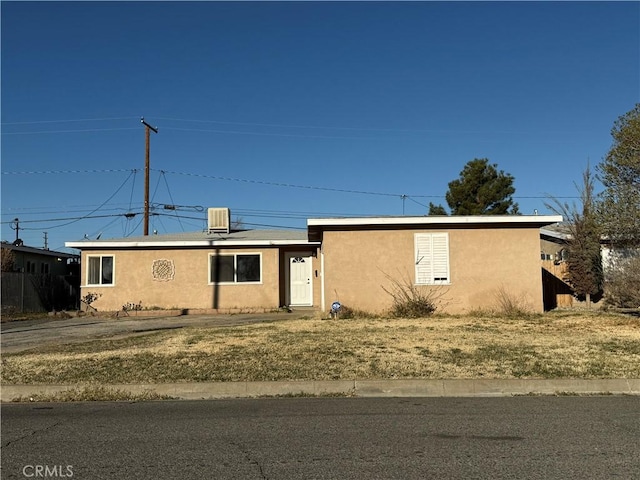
x=189 y=288
x=551 y=248
x=483 y=262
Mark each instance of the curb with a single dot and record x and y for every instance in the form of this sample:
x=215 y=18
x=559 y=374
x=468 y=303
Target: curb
x=354 y=388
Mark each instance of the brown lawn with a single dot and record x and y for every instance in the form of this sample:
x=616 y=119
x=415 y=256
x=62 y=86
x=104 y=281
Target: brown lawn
x=554 y=345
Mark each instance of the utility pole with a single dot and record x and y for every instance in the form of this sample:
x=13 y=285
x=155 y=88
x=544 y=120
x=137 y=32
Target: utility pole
x=147 y=129
x=17 y=222
x=17 y=229
x=46 y=241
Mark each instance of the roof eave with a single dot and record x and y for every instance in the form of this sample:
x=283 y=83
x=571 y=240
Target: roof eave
x=532 y=220
x=187 y=243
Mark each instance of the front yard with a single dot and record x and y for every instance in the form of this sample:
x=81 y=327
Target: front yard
x=554 y=345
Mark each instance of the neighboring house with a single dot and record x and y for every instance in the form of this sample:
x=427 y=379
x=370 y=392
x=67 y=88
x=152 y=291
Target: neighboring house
x=36 y=280
x=467 y=261
x=553 y=254
x=40 y=261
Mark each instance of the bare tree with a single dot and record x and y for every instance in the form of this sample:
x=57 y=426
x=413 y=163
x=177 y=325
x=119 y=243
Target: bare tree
x=8 y=260
x=584 y=260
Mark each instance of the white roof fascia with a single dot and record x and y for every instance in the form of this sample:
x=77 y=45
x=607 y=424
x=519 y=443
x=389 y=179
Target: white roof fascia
x=433 y=220
x=189 y=243
x=554 y=234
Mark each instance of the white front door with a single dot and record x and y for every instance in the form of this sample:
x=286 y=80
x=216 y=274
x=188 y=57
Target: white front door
x=300 y=287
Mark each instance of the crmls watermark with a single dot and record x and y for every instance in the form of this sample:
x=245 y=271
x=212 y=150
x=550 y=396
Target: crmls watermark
x=47 y=471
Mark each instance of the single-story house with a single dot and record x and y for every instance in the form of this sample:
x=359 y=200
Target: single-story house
x=467 y=261
x=38 y=279
x=40 y=261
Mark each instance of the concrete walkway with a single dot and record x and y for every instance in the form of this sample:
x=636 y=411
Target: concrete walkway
x=356 y=388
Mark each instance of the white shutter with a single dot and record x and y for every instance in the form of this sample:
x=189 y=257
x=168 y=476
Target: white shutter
x=432 y=258
x=424 y=273
x=440 y=257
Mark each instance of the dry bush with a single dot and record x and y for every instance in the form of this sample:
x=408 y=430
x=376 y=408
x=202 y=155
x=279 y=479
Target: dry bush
x=412 y=301
x=622 y=288
x=7 y=260
x=511 y=305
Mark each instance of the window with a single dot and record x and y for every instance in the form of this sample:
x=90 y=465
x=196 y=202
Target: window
x=239 y=268
x=432 y=258
x=100 y=270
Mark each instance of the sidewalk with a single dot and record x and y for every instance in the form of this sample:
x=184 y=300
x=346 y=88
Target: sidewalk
x=358 y=388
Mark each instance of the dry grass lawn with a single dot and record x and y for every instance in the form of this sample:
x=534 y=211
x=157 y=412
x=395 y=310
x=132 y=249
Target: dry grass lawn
x=555 y=345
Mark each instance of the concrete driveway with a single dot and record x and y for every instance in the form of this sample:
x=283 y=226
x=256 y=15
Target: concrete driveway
x=28 y=334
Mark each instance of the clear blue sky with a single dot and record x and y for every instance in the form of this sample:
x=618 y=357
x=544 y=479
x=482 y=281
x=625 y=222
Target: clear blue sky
x=286 y=110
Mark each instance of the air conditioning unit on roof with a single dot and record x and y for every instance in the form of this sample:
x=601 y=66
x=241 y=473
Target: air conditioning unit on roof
x=219 y=220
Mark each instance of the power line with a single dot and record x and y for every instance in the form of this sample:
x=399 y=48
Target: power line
x=309 y=187
x=70 y=131
x=361 y=129
x=171 y=198
x=68 y=121
x=313 y=127
x=264 y=134
x=261 y=182
x=286 y=185
x=63 y=219
x=95 y=210
x=66 y=172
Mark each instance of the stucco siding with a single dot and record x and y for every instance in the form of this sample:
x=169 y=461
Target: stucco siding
x=182 y=281
x=483 y=263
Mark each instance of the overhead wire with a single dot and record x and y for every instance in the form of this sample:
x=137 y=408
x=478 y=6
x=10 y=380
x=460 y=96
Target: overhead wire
x=71 y=131
x=278 y=184
x=263 y=134
x=95 y=210
x=68 y=121
x=67 y=172
x=170 y=196
x=333 y=127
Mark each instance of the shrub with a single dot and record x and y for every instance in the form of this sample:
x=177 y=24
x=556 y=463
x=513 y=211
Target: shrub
x=348 y=313
x=510 y=305
x=412 y=301
x=622 y=287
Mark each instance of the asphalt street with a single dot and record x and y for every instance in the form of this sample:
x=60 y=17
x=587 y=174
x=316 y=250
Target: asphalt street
x=327 y=438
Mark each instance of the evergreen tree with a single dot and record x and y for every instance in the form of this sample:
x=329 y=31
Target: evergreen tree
x=436 y=209
x=619 y=210
x=584 y=260
x=481 y=190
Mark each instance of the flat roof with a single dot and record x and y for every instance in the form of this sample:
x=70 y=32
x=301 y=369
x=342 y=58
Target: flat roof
x=532 y=220
x=37 y=251
x=248 y=238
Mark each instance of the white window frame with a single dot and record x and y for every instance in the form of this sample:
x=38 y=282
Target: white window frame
x=431 y=253
x=113 y=271
x=235 y=268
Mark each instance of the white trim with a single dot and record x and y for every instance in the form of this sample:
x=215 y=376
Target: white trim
x=555 y=234
x=113 y=270
x=187 y=243
x=435 y=220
